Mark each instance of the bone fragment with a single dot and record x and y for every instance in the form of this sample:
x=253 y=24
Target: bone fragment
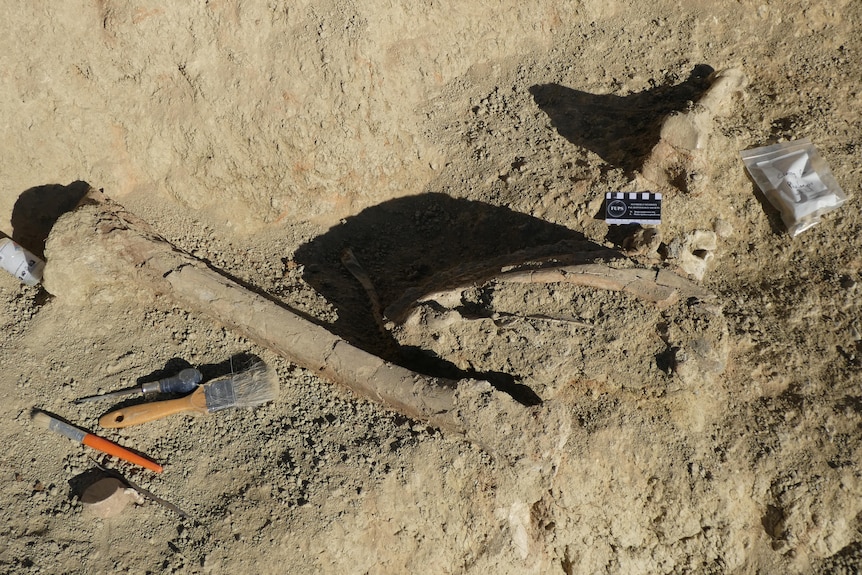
x=678 y=159
x=657 y=286
x=693 y=252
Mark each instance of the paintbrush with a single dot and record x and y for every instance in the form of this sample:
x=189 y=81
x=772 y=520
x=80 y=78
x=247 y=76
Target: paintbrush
x=105 y=446
x=256 y=385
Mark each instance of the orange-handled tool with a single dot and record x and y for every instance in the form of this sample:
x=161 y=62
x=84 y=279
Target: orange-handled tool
x=104 y=445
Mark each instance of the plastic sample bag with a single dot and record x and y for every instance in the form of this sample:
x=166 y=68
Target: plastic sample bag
x=796 y=181
x=20 y=263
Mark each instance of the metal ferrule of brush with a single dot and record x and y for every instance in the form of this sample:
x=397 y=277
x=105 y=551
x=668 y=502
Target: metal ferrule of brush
x=220 y=394
x=69 y=431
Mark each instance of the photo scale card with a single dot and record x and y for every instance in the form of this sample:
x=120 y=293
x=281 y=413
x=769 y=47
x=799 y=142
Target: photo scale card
x=633 y=208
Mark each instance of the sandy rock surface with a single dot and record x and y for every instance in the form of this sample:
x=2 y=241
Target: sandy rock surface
x=617 y=436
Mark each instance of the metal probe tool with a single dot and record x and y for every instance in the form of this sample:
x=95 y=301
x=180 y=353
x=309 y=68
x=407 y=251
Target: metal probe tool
x=183 y=382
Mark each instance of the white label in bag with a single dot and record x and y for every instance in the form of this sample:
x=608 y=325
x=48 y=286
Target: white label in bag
x=796 y=180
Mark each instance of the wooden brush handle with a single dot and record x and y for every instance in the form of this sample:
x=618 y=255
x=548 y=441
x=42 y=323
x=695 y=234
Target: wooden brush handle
x=144 y=412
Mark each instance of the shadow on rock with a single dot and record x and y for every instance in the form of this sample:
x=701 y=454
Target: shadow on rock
x=38 y=209
x=415 y=242
x=620 y=129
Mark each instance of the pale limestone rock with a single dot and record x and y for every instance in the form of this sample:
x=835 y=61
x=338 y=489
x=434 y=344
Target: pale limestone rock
x=108 y=497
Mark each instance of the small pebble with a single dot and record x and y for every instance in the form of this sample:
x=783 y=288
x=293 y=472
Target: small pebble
x=722 y=228
x=108 y=497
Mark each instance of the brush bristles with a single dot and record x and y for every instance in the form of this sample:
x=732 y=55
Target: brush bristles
x=41 y=419
x=256 y=385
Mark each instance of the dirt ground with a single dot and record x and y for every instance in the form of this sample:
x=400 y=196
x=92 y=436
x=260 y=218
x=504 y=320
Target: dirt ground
x=717 y=435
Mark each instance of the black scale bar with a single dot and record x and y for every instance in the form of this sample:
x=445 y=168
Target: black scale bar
x=632 y=208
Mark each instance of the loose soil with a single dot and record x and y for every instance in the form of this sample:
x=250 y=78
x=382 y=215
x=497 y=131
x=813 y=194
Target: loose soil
x=264 y=139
